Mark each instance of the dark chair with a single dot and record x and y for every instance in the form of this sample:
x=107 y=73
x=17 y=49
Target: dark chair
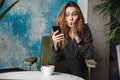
x=30 y=61
x=46 y=51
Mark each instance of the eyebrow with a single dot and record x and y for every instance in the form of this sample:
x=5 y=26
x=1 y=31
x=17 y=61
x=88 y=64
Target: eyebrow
x=72 y=12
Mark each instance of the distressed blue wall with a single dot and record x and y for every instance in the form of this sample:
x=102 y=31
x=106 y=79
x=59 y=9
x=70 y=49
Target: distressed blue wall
x=22 y=28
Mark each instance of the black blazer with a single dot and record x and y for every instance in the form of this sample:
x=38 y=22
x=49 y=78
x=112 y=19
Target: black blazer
x=72 y=49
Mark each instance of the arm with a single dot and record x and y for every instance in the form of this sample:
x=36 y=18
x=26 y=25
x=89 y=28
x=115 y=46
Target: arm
x=85 y=47
x=56 y=55
x=56 y=51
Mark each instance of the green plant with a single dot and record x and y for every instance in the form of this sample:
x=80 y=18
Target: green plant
x=7 y=9
x=110 y=7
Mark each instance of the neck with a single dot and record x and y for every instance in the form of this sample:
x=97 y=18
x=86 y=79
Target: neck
x=72 y=32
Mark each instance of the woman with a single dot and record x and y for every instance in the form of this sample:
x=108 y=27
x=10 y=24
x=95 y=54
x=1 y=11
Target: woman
x=74 y=44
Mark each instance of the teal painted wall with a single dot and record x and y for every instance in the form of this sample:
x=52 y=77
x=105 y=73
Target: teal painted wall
x=22 y=28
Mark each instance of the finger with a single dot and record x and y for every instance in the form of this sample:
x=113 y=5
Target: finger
x=57 y=39
x=54 y=35
x=55 y=32
x=54 y=38
x=59 y=35
x=60 y=38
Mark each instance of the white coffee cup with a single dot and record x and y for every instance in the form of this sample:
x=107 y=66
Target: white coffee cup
x=47 y=69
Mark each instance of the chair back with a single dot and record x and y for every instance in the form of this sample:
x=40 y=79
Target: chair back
x=118 y=57
x=46 y=51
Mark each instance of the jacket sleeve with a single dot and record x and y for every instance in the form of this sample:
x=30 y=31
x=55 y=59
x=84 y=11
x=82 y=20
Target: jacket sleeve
x=86 y=47
x=56 y=55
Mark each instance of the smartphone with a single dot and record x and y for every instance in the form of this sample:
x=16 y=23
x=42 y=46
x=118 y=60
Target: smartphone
x=55 y=28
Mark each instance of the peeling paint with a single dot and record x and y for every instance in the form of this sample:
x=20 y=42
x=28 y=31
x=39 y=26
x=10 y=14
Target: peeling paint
x=22 y=28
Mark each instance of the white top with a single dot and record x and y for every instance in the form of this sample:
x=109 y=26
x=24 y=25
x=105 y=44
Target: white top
x=37 y=75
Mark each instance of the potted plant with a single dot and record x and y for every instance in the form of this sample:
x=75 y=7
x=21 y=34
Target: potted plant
x=111 y=7
x=7 y=9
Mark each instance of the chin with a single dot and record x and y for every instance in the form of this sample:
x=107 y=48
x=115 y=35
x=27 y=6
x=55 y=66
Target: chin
x=70 y=26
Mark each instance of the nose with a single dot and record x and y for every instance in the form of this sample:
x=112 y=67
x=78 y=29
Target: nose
x=71 y=17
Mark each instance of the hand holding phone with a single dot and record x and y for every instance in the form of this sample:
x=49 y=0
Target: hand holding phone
x=57 y=35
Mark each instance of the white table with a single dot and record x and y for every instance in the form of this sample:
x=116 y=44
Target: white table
x=37 y=75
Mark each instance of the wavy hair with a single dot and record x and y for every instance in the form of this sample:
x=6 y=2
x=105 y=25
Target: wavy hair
x=61 y=21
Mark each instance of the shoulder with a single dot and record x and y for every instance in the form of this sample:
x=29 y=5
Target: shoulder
x=86 y=31
x=85 y=27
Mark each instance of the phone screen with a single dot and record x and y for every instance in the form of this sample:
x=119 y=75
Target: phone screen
x=55 y=28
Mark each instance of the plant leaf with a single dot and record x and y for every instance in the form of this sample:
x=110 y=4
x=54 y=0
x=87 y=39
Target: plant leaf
x=112 y=34
x=5 y=12
x=117 y=13
x=110 y=7
x=1 y=3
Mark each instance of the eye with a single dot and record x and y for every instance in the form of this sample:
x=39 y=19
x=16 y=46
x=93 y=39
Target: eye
x=74 y=14
x=66 y=15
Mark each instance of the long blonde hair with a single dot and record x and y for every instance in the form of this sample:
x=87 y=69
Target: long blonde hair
x=61 y=21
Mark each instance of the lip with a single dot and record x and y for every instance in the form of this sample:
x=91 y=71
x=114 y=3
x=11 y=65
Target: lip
x=70 y=23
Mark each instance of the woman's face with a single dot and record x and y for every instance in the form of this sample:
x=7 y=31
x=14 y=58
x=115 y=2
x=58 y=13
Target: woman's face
x=71 y=16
